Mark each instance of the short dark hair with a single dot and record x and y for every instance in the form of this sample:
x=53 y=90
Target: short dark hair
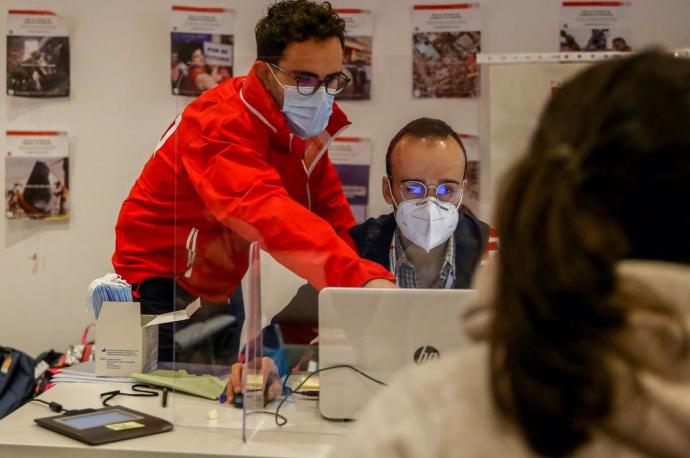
x=295 y=21
x=424 y=127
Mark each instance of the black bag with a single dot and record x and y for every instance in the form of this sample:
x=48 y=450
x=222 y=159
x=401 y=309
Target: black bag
x=17 y=382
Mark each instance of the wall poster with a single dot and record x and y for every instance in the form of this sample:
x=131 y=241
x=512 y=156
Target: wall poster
x=201 y=48
x=37 y=175
x=446 y=41
x=595 y=26
x=352 y=159
x=38 y=61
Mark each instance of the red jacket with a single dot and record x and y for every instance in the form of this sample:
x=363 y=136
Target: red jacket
x=228 y=172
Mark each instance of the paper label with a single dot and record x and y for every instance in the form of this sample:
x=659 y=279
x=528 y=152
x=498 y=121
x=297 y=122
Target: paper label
x=124 y=426
x=29 y=23
x=5 y=368
x=457 y=17
x=191 y=19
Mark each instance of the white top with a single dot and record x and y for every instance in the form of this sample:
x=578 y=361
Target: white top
x=444 y=408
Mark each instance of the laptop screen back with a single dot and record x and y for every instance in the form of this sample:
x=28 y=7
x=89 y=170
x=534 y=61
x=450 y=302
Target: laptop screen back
x=379 y=331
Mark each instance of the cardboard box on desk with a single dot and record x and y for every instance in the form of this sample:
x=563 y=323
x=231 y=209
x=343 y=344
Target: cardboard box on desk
x=127 y=341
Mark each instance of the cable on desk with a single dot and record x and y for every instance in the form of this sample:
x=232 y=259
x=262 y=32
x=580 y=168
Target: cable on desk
x=283 y=420
x=279 y=419
x=140 y=389
x=54 y=406
x=58 y=408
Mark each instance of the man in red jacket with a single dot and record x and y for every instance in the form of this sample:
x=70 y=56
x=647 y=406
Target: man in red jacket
x=247 y=161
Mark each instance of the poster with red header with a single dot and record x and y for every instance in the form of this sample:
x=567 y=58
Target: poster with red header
x=201 y=48
x=38 y=62
x=595 y=26
x=446 y=41
x=37 y=175
x=470 y=197
x=352 y=159
x=359 y=32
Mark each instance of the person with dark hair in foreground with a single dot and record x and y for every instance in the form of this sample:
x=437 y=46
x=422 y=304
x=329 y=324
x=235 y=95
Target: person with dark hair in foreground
x=430 y=241
x=588 y=347
x=247 y=162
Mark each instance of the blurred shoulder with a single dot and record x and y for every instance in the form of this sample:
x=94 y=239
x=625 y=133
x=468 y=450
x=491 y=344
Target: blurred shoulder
x=435 y=410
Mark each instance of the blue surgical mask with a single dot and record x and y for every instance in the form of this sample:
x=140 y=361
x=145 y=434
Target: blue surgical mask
x=307 y=115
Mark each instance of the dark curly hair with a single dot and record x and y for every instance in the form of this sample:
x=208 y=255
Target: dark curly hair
x=295 y=21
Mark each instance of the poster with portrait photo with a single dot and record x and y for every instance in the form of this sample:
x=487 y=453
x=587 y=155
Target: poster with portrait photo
x=37 y=175
x=471 y=195
x=37 y=54
x=595 y=27
x=352 y=159
x=359 y=31
x=201 y=48
x=445 y=43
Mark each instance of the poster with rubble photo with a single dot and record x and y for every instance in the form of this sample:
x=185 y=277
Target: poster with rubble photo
x=595 y=26
x=201 y=48
x=446 y=41
x=352 y=159
x=37 y=54
x=470 y=197
x=37 y=175
x=359 y=31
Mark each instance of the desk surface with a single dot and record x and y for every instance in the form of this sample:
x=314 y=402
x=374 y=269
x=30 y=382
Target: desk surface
x=306 y=434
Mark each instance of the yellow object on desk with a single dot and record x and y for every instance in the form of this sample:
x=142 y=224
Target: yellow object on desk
x=124 y=426
x=311 y=384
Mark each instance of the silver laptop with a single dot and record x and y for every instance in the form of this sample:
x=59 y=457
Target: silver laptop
x=379 y=331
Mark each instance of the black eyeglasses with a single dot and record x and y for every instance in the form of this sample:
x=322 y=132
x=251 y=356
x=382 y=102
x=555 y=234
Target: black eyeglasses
x=309 y=84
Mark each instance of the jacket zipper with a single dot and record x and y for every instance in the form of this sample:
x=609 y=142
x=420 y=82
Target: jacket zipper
x=324 y=148
x=306 y=172
x=191 y=251
x=308 y=191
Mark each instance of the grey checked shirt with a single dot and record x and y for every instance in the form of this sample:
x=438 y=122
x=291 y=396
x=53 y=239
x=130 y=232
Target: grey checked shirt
x=407 y=274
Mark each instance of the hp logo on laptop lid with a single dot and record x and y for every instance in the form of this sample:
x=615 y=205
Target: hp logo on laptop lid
x=426 y=354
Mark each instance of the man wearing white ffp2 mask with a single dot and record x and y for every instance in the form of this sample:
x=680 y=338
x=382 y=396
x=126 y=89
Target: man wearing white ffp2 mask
x=430 y=240
x=426 y=221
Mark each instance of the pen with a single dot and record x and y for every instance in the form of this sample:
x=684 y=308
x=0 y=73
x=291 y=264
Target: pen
x=223 y=395
x=164 y=398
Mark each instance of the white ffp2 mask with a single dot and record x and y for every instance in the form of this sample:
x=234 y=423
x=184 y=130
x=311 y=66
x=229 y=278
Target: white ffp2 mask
x=427 y=222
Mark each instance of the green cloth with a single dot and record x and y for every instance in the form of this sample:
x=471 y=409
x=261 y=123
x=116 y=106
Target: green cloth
x=205 y=386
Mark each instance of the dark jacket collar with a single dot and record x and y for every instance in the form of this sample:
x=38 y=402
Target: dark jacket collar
x=373 y=239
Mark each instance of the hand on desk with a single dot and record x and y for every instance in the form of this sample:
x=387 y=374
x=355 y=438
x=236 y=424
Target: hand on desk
x=272 y=385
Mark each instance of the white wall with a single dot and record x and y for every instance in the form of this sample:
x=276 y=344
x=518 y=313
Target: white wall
x=121 y=103
x=508 y=117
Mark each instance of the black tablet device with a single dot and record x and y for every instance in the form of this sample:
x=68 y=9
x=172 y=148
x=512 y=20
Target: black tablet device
x=109 y=424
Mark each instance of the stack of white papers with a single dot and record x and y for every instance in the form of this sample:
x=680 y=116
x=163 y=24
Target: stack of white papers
x=84 y=373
